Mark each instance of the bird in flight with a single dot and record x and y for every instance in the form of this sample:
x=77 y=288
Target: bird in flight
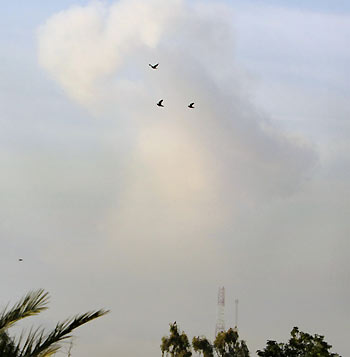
x=154 y=66
x=191 y=106
x=160 y=103
x=20 y=260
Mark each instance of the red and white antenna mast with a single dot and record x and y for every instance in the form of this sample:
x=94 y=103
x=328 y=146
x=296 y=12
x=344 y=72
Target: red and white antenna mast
x=220 y=322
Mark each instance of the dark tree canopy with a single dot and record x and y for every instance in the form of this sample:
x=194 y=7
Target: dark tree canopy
x=202 y=345
x=176 y=344
x=301 y=344
x=227 y=344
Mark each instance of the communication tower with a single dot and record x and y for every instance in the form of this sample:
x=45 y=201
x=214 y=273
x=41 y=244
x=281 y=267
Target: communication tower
x=236 y=317
x=220 y=322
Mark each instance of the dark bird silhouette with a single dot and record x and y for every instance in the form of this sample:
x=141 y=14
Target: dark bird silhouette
x=154 y=66
x=160 y=103
x=191 y=106
x=20 y=260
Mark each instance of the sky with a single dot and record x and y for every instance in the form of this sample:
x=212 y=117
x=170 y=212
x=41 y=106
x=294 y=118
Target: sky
x=115 y=203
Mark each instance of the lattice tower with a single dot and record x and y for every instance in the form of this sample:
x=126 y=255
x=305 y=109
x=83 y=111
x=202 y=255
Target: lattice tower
x=220 y=322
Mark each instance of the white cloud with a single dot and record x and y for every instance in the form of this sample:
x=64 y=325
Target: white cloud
x=190 y=170
x=91 y=50
x=206 y=195
x=82 y=45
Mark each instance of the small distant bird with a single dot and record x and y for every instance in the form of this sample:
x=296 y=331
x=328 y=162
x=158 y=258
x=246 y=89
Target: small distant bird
x=191 y=106
x=20 y=260
x=154 y=66
x=160 y=103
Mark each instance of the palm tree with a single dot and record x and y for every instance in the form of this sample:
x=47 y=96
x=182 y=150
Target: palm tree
x=37 y=343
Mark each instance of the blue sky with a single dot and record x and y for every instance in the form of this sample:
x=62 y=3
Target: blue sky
x=336 y=6
x=24 y=13
x=20 y=16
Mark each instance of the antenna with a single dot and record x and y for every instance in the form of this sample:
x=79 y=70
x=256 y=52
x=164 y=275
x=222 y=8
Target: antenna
x=220 y=322
x=236 y=317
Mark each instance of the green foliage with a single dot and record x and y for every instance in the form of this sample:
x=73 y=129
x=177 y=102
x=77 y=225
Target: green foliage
x=37 y=343
x=32 y=304
x=176 y=344
x=202 y=345
x=227 y=344
x=301 y=344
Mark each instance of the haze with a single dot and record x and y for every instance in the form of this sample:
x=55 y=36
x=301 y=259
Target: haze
x=113 y=202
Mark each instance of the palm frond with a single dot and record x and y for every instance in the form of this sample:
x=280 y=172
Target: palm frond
x=33 y=339
x=31 y=304
x=8 y=347
x=37 y=345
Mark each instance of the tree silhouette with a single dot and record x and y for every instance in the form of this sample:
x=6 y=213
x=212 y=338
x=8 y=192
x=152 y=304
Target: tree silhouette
x=227 y=344
x=37 y=343
x=202 y=345
x=176 y=344
x=300 y=344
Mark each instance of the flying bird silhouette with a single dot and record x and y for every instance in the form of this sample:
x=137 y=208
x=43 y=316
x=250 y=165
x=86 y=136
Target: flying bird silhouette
x=191 y=106
x=160 y=103
x=154 y=66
